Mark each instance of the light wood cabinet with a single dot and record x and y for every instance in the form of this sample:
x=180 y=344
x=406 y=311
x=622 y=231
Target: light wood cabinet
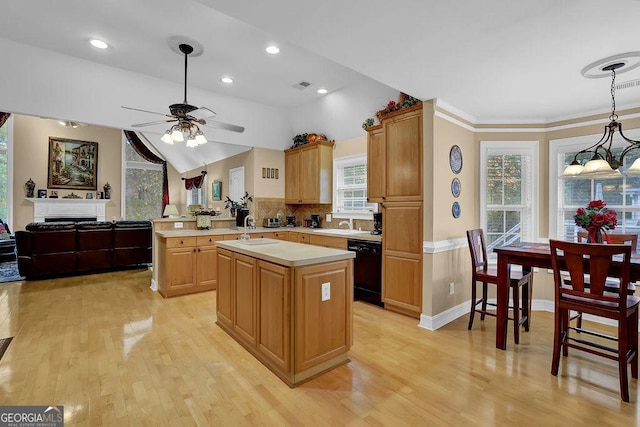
x=376 y=165
x=187 y=265
x=328 y=241
x=281 y=235
x=395 y=180
x=244 y=298
x=274 y=310
x=402 y=257
x=394 y=157
x=309 y=174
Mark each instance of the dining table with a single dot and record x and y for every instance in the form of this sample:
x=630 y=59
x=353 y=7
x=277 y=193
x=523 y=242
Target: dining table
x=530 y=255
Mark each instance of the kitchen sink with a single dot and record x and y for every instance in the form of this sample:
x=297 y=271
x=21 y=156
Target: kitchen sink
x=260 y=241
x=338 y=231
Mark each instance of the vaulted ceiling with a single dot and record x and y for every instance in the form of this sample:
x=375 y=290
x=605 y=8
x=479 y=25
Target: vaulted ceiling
x=491 y=61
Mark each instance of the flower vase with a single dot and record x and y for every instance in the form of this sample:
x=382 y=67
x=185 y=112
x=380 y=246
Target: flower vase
x=595 y=235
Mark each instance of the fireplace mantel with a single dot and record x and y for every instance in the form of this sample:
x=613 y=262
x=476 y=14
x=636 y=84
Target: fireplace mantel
x=72 y=208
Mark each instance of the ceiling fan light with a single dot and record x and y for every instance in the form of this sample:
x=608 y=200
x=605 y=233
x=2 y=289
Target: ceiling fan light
x=167 y=138
x=191 y=143
x=176 y=135
x=200 y=138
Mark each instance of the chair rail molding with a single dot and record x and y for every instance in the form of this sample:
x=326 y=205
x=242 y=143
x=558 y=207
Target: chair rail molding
x=71 y=208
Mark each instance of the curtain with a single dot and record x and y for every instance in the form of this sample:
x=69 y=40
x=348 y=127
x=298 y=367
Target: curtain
x=195 y=182
x=146 y=154
x=3 y=118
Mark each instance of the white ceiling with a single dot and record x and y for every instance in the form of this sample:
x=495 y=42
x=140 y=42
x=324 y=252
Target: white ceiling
x=491 y=60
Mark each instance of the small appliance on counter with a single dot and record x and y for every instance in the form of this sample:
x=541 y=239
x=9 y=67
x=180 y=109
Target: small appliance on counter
x=272 y=222
x=315 y=221
x=377 y=223
x=291 y=221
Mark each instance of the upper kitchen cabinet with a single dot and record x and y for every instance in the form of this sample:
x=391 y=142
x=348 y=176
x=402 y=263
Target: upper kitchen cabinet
x=309 y=174
x=395 y=157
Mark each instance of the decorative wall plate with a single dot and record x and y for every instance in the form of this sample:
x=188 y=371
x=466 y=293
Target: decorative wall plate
x=455 y=187
x=455 y=159
x=455 y=210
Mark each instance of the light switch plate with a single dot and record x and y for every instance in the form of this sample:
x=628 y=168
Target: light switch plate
x=178 y=225
x=326 y=291
x=328 y=218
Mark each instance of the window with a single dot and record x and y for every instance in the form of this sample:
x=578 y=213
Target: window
x=4 y=170
x=350 y=195
x=143 y=186
x=508 y=192
x=567 y=195
x=196 y=196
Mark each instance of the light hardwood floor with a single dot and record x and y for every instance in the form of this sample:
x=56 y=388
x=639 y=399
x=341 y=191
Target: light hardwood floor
x=115 y=353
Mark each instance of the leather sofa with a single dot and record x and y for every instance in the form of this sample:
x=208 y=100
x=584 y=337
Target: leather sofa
x=65 y=248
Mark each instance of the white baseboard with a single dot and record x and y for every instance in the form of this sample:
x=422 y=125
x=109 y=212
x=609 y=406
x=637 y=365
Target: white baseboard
x=433 y=323
x=154 y=285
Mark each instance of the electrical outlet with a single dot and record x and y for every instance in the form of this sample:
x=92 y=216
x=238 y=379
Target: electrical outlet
x=177 y=225
x=326 y=291
x=451 y=288
x=328 y=218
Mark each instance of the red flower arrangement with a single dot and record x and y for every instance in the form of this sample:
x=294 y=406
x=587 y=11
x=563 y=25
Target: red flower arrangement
x=595 y=218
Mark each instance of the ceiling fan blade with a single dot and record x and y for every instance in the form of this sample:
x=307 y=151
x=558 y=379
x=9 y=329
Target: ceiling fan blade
x=225 y=126
x=157 y=122
x=146 y=111
x=202 y=113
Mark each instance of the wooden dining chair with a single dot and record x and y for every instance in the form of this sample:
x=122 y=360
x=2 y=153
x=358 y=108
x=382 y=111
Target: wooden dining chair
x=592 y=263
x=611 y=285
x=614 y=239
x=483 y=273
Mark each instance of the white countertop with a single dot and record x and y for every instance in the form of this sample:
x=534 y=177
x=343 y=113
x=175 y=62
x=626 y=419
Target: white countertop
x=365 y=235
x=287 y=253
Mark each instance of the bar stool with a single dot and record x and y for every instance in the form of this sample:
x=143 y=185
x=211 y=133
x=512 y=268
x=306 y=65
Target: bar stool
x=481 y=272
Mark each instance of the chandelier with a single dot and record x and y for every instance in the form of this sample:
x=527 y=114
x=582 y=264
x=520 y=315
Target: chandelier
x=184 y=130
x=603 y=163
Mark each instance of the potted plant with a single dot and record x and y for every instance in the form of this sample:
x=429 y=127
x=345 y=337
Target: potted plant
x=235 y=206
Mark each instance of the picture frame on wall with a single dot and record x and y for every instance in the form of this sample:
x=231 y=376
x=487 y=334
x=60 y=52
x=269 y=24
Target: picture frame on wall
x=73 y=164
x=216 y=190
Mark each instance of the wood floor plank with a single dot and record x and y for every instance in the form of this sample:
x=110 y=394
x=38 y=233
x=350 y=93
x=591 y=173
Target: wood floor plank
x=114 y=353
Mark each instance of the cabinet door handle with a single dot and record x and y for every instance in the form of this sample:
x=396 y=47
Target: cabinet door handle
x=181 y=242
x=383 y=198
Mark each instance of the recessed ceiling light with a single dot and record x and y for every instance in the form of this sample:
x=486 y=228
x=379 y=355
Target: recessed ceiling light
x=322 y=91
x=98 y=43
x=272 y=49
x=226 y=79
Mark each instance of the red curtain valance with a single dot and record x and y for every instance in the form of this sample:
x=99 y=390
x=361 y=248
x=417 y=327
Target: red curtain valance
x=195 y=182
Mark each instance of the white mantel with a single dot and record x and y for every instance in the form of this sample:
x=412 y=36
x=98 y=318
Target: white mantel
x=72 y=208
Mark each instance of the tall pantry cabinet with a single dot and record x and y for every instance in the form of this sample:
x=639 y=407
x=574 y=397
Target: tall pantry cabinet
x=395 y=181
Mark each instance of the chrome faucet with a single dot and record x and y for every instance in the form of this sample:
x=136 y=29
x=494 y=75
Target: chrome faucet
x=245 y=236
x=349 y=223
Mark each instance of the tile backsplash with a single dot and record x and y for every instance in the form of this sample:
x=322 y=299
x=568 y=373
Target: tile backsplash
x=264 y=207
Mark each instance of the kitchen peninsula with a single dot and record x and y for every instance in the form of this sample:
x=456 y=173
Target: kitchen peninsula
x=289 y=304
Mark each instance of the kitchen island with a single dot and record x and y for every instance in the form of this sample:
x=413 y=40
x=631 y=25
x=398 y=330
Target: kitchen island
x=288 y=304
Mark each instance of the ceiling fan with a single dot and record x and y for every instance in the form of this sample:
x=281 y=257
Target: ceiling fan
x=187 y=117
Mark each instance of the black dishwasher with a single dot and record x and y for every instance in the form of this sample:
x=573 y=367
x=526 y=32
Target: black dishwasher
x=367 y=271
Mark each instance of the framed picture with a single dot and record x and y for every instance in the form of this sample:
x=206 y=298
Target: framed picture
x=99 y=195
x=42 y=194
x=53 y=195
x=216 y=190
x=89 y=196
x=72 y=164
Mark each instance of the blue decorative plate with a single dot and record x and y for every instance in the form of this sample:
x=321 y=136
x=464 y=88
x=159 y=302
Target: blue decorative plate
x=455 y=159
x=455 y=210
x=455 y=187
